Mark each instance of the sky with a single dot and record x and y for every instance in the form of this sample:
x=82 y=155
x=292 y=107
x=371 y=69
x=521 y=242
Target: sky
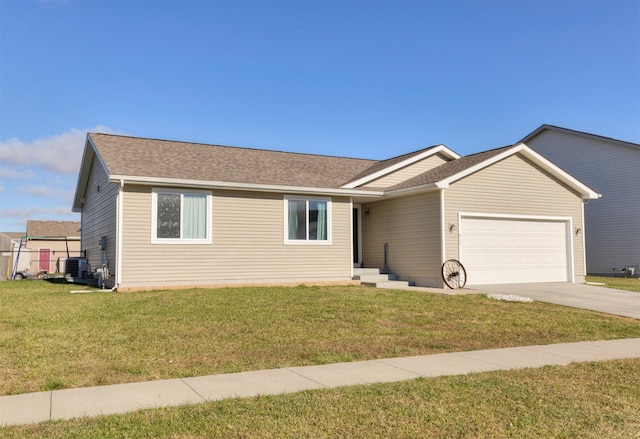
x=366 y=79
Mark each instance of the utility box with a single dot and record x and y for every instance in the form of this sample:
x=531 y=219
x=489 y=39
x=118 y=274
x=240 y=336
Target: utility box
x=77 y=268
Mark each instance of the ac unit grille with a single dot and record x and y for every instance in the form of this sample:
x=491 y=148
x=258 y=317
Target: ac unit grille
x=77 y=267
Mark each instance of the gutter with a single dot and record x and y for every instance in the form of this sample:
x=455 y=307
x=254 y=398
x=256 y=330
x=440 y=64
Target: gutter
x=416 y=189
x=152 y=181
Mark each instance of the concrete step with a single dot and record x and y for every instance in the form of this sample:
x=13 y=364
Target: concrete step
x=371 y=277
x=365 y=271
x=387 y=284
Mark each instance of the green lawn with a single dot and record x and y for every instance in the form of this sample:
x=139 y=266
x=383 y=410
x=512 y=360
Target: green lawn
x=583 y=400
x=619 y=283
x=51 y=339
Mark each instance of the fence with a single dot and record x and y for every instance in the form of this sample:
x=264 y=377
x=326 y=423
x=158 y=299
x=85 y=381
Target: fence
x=6 y=253
x=34 y=260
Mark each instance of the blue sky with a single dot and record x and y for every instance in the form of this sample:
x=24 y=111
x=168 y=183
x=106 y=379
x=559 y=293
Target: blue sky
x=359 y=79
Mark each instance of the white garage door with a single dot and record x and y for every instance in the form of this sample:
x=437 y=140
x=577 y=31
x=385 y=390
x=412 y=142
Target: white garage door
x=497 y=251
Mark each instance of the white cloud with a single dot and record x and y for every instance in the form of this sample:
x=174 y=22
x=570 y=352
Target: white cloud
x=38 y=178
x=68 y=196
x=15 y=220
x=60 y=153
x=40 y=212
x=37 y=191
x=16 y=174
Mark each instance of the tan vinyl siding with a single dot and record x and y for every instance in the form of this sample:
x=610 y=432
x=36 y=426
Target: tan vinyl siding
x=247 y=245
x=411 y=228
x=612 y=223
x=512 y=186
x=98 y=218
x=407 y=172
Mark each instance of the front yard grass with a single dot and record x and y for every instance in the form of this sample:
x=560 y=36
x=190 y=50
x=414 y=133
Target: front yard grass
x=618 y=283
x=51 y=339
x=582 y=400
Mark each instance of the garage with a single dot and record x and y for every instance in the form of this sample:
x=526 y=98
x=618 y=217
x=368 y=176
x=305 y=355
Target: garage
x=499 y=250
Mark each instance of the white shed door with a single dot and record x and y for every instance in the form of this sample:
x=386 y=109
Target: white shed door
x=499 y=251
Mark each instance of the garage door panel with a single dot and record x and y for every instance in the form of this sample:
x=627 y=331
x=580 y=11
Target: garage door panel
x=495 y=250
x=533 y=259
x=521 y=242
x=508 y=242
x=520 y=259
x=479 y=241
x=493 y=242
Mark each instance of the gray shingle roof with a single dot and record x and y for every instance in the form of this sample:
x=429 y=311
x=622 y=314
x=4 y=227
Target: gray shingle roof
x=449 y=169
x=53 y=228
x=140 y=157
x=378 y=166
x=13 y=235
x=164 y=159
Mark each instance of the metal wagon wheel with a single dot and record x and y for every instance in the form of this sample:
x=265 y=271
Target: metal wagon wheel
x=454 y=274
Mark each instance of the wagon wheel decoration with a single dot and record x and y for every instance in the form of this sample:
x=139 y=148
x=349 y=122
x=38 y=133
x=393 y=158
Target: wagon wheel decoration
x=454 y=274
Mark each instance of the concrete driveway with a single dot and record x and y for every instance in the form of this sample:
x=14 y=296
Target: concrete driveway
x=596 y=298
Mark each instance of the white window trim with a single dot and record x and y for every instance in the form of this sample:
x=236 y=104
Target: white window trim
x=285 y=221
x=154 y=216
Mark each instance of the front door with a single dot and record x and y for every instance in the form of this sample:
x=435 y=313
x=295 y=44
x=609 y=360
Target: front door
x=44 y=259
x=356 y=231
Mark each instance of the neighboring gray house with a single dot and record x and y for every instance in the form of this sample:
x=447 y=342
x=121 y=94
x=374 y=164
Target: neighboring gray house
x=612 y=168
x=178 y=214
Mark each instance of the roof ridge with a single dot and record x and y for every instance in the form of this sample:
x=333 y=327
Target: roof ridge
x=386 y=163
x=409 y=154
x=583 y=133
x=490 y=150
x=452 y=167
x=233 y=146
x=177 y=160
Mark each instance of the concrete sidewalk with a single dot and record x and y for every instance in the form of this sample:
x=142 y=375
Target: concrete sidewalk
x=122 y=398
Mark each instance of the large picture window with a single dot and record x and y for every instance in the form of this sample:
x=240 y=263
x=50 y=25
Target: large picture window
x=307 y=220
x=181 y=217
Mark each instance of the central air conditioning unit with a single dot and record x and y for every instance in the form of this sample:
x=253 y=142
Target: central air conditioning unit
x=77 y=268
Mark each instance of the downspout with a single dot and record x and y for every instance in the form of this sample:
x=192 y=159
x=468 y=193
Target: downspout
x=119 y=210
x=351 y=235
x=584 y=245
x=442 y=227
